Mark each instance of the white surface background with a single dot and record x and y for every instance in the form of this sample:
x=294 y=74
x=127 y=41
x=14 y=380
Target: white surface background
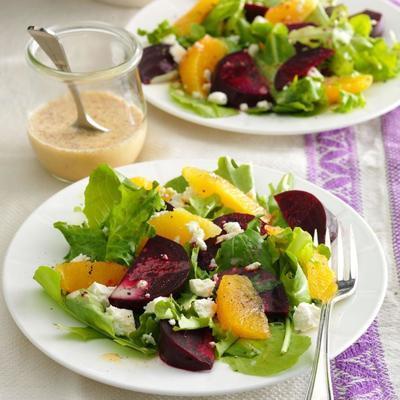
x=25 y=373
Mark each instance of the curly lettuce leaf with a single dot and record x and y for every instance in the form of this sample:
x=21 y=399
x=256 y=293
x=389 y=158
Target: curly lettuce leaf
x=349 y=101
x=200 y=107
x=263 y=357
x=179 y=184
x=162 y=30
x=204 y=207
x=240 y=176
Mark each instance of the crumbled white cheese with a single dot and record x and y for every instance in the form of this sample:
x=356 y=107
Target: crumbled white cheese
x=148 y=338
x=207 y=75
x=81 y=258
x=205 y=308
x=169 y=39
x=232 y=229
x=172 y=322
x=314 y=73
x=244 y=107
x=213 y=264
x=150 y=308
x=142 y=284
x=219 y=98
x=100 y=292
x=306 y=317
x=253 y=49
x=198 y=235
x=202 y=287
x=265 y=105
x=253 y=267
x=167 y=193
x=122 y=320
x=260 y=19
x=177 y=52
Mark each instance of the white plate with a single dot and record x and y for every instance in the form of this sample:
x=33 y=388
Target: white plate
x=38 y=243
x=381 y=97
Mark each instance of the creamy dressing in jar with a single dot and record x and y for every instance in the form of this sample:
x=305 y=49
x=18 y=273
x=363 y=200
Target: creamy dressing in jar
x=71 y=153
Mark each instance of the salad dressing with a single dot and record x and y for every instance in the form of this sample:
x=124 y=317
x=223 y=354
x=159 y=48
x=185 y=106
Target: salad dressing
x=71 y=153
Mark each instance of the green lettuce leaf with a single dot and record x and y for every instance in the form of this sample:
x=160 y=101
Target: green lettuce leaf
x=101 y=194
x=128 y=222
x=196 y=272
x=160 y=32
x=50 y=280
x=244 y=249
x=349 y=101
x=240 y=176
x=83 y=240
x=179 y=184
x=83 y=332
x=204 y=207
x=223 y=339
x=263 y=357
x=200 y=107
x=362 y=24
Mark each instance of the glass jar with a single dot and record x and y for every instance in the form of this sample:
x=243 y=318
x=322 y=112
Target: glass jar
x=104 y=60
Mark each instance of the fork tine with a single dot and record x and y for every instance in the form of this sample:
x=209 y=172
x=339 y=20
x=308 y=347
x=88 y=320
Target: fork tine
x=315 y=239
x=339 y=255
x=353 y=256
x=328 y=244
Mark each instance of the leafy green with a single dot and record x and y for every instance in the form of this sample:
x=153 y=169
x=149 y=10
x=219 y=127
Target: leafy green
x=179 y=184
x=128 y=222
x=288 y=336
x=82 y=332
x=224 y=10
x=349 y=101
x=301 y=246
x=197 y=32
x=83 y=240
x=305 y=95
x=244 y=249
x=201 y=107
x=319 y=16
x=294 y=280
x=240 y=176
x=160 y=32
x=50 y=280
x=362 y=24
x=101 y=195
x=285 y=184
x=263 y=357
x=196 y=271
x=204 y=207
x=223 y=339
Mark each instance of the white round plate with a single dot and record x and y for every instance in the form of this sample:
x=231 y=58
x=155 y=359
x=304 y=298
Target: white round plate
x=381 y=97
x=38 y=243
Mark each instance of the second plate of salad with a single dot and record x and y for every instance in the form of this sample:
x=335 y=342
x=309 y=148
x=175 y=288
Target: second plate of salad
x=186 y=277
x=269 y=67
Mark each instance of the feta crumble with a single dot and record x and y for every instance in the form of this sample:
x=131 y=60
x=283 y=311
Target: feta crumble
x=198 y=235
x=81 y=258
x=100 y=293
x=253 y=49
x=244 y=107
x=150 y=308
x=169 y=39
x=306 y=317
x=205 y=308
x=232 y=229
x=253 y=267
x=177 y=52
x=260 y=19
x=202 y=287
x=122 y=320
x=264 y=104
x=219 y=98
x=172 y=322
x=148 y=339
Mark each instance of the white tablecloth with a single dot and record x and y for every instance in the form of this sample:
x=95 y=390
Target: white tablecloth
x=25 y=373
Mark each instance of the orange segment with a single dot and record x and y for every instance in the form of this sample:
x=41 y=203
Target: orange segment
x=203 y=55
x=321 y=279
x=352 y=84
x=291 y=11
x=195 y=15
x=205 y=184
x=142 y=182
x=80 y=275
x=172 y=225
x=240 y=308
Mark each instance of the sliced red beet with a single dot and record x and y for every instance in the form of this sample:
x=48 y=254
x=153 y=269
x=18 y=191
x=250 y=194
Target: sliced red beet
x=239 y=78
x=156 y=61
x=271 y=291
x=252 y=11
x=205 y=257
x=189 y=350
x=161 y=269
x=376 y=18
x=303 y=209
x=300 y=64
x=299 y=25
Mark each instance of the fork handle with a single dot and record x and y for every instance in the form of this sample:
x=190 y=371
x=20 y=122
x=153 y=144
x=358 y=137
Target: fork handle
x=320 y=387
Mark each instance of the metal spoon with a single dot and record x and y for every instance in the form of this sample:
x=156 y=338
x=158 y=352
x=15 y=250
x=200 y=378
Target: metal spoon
x=50 y=44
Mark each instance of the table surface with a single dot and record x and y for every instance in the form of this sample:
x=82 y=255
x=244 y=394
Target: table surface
x=26 y=372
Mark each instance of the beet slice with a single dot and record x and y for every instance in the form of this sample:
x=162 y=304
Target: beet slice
x=272 y=293
x=189 y=350
x=303 y=209
x=299 y=25
x=156 y=61
x=300 y=64
x=377 y=24
x=161 y=269
x=239 y=78
x=206 y=256
x=252 y=11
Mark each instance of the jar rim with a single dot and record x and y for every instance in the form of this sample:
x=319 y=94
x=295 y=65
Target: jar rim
x=129 y=64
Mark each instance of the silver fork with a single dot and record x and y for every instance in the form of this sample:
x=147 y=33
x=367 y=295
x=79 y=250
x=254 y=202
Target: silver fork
x=320 y=386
